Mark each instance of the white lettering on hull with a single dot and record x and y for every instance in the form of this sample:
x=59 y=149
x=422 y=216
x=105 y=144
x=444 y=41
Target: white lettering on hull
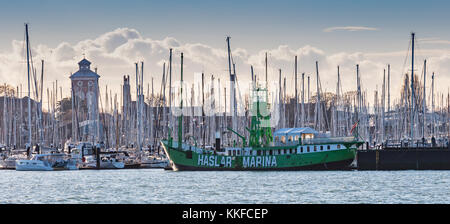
x=226 y=161
x=259 y=161
x=214 y=161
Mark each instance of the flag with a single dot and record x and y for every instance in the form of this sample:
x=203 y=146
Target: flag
x=353 y=128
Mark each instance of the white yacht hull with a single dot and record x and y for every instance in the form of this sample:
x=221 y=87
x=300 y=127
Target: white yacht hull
x=36 y=165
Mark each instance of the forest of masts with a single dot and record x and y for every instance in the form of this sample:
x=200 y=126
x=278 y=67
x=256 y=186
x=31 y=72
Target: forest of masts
x=418 y=114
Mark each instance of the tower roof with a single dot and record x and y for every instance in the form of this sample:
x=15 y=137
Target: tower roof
x=84 y=70
x=84 y=62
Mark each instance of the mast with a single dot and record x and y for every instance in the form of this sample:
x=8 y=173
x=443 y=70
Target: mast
x=389 y=129
x=285 y=123
x=150 y=110
x=318 y=126
x=280 y=99
x=266 y=71
x=180 y=118
x=336 y=123
x=163 y=88
x=303 y=101
x=432 y=103
x=358 y=93
x=141 y=106
x=41 y=126
x=296 y=95
x=29 y=91
x=308 y=114
x=424 y=99
x=170 y=90
x=383 y=92
x=5 y=132
x=389 y=88
x=203 y=110
x=412 y=87
x=232 y=88
x=253 y=77
x=138 y=128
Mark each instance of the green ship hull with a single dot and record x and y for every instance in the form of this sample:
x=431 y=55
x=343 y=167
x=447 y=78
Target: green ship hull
x=334 y=156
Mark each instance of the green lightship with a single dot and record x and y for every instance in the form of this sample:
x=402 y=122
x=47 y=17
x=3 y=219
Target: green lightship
x=286 y=149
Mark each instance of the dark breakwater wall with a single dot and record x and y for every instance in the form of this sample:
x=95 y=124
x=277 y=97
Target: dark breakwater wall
x=404 y=159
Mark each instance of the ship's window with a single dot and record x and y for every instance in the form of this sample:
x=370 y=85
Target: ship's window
x=338 y=146
x=238 y=152
x=301 y=149
x=315 y=148
x=290 y=139
x=270 y=152
x=283 y=139
x=277 y=139
x=296 y=138
x=307 y=148
x=267 y=152
x=321 y=148
x=328 y=147
x=282 y=151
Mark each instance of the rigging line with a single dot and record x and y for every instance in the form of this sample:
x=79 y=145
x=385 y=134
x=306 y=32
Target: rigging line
x=406 y=58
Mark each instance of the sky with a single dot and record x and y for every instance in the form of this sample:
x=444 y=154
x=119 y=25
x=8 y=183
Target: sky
x=115 y=34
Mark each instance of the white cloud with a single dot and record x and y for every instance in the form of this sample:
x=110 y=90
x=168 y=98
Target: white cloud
x=349 y=28
x=114 y=54
x=433 y=40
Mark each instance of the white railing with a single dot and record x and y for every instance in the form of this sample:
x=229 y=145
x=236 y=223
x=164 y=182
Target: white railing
x=329 y=140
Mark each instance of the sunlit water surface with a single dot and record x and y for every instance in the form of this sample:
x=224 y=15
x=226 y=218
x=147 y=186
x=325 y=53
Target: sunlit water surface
x=152 y=186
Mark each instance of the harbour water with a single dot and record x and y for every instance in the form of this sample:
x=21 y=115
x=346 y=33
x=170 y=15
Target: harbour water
x=155 y=186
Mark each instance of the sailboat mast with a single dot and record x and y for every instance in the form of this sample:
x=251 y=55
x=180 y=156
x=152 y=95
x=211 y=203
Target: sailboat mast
x=138 y=126
x=303 y=101
x=296 y=95
x=318 y=99
x=389 y=88
x=266 y=70
x=29 y=91
x=412 y=87
x=336 y=123
x=308 y=115
x=432 y=103
x=383 y=92
x=424 y=98
x=170 y=91
x=180 y=119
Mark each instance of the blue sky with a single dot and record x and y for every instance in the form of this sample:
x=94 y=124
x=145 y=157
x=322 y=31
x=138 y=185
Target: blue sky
x=253 y=24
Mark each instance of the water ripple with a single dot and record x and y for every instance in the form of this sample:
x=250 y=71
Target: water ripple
x=159 y=187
